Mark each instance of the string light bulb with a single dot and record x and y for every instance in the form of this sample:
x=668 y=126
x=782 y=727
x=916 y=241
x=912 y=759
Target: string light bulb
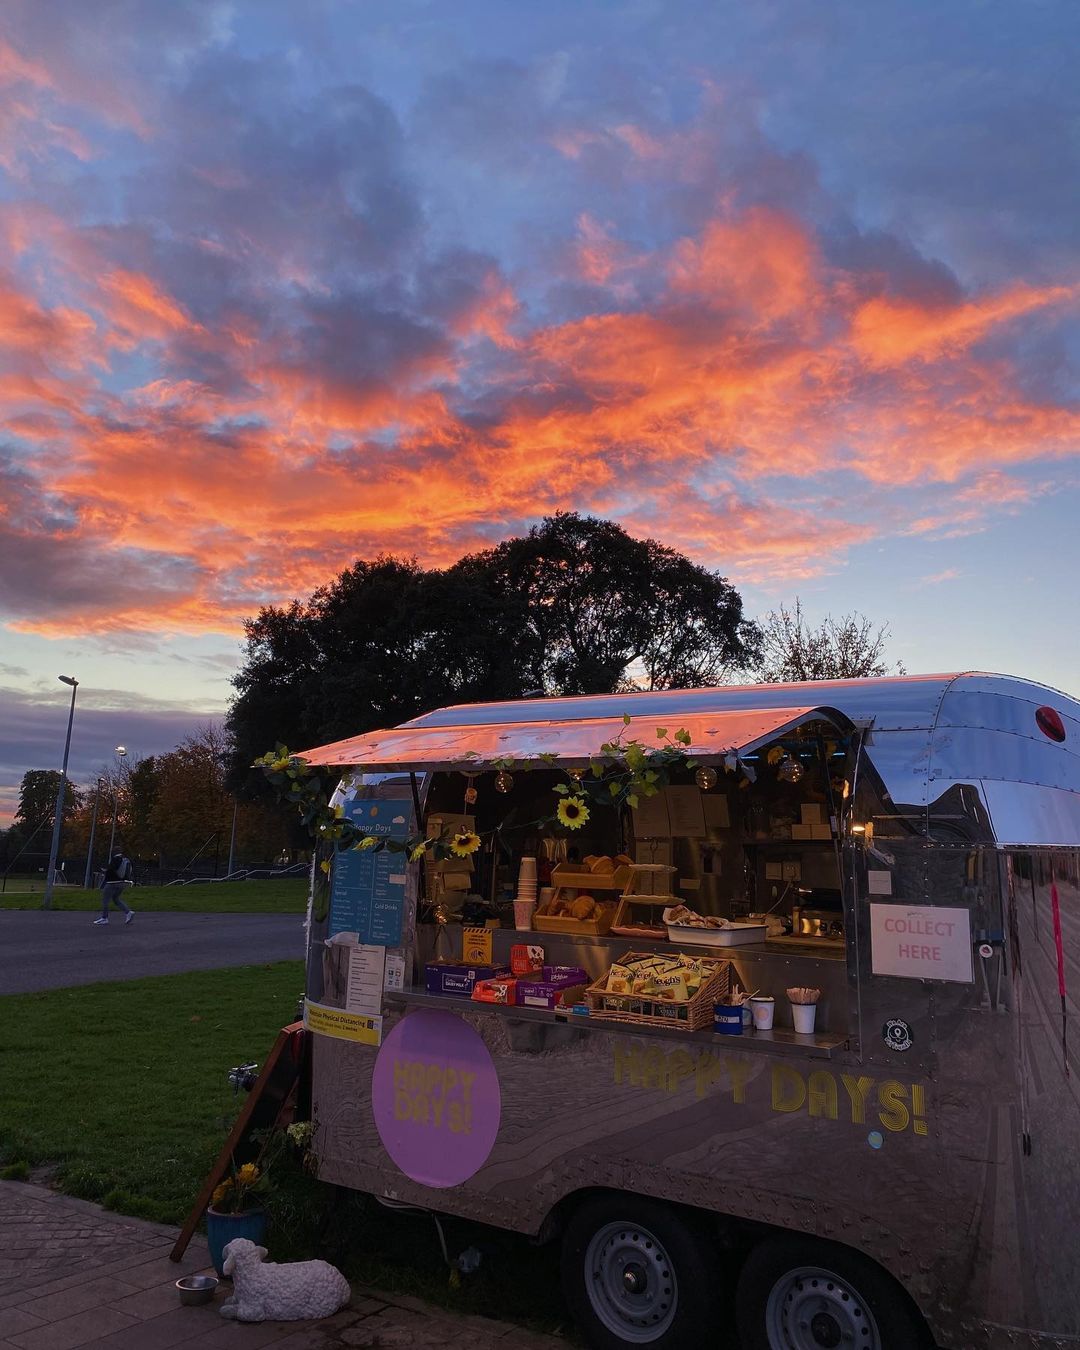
x=705 y=778
x=503 y=781
x=470 y=790
x=790 y=770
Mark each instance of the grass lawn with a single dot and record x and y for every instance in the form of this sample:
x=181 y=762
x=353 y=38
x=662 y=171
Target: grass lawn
x=121 y=1089
x=287 y=896
x=123 y=1086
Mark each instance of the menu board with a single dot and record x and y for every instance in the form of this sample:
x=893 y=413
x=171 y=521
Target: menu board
x=367 y=886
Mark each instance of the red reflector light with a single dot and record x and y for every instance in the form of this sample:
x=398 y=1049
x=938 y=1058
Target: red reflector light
x=1050 y=724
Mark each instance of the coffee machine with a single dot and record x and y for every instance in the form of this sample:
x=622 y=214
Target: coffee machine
x=820 y=918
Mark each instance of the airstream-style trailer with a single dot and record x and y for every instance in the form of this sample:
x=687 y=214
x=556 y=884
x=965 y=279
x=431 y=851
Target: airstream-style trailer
x=905 y=1174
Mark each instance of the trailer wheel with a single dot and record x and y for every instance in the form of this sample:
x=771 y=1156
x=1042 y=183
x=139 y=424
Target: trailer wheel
x=635 y=1272
x=801 y=1294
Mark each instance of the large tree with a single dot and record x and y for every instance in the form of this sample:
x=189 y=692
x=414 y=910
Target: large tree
x=576 y=606
x=794 y=650
x=37 y=797
x=598 y=610
x=384 y=641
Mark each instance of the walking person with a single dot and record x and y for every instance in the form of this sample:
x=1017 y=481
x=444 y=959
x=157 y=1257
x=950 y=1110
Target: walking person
x=112 y=888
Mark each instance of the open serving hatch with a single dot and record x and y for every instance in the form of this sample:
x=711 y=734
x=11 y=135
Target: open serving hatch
x=571 y=741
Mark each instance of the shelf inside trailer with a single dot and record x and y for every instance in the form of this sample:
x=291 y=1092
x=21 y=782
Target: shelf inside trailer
x=805 y=949
x=779 y=1041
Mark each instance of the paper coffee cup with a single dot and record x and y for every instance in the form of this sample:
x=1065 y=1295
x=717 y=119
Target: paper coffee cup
x=803 y=1015
x=762 y=1010
x=523 y=913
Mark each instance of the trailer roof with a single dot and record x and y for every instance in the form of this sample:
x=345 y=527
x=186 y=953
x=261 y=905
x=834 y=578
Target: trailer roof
x=572 y=741
x=895 y=702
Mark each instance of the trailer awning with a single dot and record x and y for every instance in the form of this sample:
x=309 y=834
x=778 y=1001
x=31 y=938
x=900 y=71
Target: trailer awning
x=573 y=742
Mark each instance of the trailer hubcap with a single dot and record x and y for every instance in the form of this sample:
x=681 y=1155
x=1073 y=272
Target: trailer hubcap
x=631 y=1282
x=813 y=1309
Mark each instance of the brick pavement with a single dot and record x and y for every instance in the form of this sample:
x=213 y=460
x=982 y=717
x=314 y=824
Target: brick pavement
x=74 y=1275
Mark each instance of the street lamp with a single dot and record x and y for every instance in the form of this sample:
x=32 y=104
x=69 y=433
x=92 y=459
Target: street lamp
x=119 y=752
x=54 y=849
x=93 y=827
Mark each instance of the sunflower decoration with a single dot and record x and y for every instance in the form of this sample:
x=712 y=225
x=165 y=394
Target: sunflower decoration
x=463 y=843
x=572 y=812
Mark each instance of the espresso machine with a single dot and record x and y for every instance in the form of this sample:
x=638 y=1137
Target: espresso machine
x=819 y=917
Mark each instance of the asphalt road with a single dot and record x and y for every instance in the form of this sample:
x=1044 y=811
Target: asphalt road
x=53 y=950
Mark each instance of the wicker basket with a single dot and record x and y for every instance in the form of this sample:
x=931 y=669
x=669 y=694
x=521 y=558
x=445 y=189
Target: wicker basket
x=642 y=1010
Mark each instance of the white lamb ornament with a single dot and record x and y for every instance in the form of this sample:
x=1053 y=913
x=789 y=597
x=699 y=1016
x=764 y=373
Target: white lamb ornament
x=266 y=1292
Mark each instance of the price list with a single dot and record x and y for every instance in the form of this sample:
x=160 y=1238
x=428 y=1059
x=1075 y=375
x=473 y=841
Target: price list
x=367 y=886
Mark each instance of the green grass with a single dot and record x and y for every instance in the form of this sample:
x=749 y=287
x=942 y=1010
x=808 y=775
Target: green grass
x=287 y=896
x=119 y=1090
x=122 y=1087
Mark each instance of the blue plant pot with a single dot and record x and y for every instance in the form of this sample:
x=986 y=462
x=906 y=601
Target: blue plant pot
x=222 y=1228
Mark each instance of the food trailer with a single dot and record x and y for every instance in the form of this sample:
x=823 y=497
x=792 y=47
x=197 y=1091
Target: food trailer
x=902 y=854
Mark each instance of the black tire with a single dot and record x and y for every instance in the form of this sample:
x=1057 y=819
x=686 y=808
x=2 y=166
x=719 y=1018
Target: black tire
x=672 y=1259
x=819 y=1288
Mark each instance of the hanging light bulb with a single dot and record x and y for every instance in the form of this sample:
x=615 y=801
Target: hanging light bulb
x=470 y=790
x=503 y=781
x=705 y=778
x=790 y=770
x=576 y=774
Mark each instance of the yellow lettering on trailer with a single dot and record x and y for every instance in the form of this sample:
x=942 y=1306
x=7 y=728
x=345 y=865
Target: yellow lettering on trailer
x=819 y=1093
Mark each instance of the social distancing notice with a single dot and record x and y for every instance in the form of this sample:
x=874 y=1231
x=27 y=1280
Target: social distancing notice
x=345 y=1026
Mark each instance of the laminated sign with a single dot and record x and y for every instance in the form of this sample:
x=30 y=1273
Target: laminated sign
x=367 y=886
x=342 y=1025
x=921 y=942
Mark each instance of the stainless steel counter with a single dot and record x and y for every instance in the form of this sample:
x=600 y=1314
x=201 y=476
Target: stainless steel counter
x=780 y=1041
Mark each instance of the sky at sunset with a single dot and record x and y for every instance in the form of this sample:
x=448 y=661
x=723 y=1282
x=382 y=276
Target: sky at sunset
x=792 y=287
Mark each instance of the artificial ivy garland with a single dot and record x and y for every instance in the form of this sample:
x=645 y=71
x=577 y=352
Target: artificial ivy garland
x=621 y=773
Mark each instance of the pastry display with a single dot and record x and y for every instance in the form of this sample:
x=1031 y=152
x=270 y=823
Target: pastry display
x=686 y=925
x=687 y=918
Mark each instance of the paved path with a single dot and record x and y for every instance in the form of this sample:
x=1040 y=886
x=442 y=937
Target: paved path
x=73 y=1275
x=51 y=950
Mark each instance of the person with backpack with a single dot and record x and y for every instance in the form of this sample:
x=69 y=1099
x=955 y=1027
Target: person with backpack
x=116 y=874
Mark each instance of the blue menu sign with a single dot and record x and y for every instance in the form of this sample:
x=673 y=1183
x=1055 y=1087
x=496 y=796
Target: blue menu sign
x=367 y=888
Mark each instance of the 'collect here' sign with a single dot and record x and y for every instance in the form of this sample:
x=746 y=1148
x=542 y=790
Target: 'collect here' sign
x=921 y=942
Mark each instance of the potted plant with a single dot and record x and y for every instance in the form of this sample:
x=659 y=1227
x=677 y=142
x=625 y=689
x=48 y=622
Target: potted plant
x=235 y=1211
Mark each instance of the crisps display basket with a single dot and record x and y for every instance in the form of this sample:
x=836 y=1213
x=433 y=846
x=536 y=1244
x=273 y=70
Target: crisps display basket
x=696 y=1014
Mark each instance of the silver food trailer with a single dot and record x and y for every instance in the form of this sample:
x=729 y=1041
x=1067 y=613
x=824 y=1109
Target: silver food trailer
x=907 y=1174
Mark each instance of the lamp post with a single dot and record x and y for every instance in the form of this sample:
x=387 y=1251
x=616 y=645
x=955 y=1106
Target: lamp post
x=54 y=849
x=93 y=827
x=120 y=752
x=223 y=759
x=232 y=836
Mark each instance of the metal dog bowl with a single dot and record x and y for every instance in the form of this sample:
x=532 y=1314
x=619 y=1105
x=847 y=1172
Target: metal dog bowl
x=195 y=1289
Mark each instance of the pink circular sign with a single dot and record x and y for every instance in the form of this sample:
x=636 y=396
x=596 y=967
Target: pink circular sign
x=436 y=1100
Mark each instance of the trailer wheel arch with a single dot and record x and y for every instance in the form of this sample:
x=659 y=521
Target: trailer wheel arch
x=789 y=1276
x=743 y=1238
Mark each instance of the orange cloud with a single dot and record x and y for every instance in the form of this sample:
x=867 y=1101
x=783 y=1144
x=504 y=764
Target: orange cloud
x=729 y=366
x=138 y=307
x=888 y=332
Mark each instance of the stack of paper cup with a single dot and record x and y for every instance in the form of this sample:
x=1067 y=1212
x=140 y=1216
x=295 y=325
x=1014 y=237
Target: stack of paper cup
x=525 y=902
